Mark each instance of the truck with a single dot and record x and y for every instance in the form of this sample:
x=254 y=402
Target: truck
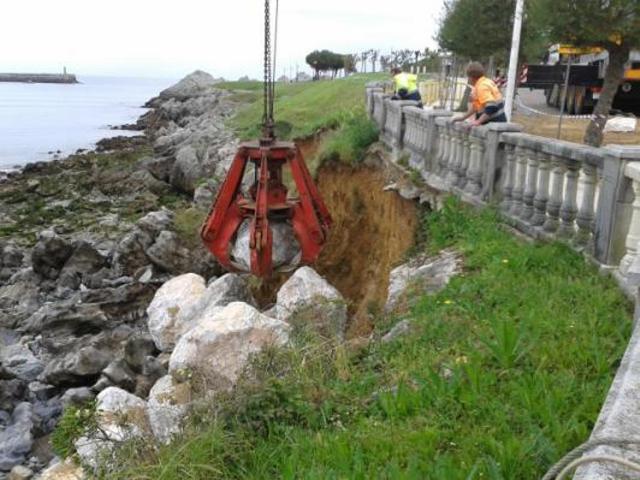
x=586 y=76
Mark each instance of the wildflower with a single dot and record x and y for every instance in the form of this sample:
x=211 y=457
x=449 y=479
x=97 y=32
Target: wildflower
x=505 y=260
x=462 y=359
x=448 y=302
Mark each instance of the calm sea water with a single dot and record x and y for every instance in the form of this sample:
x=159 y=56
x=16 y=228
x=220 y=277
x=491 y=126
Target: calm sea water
x=36 y=119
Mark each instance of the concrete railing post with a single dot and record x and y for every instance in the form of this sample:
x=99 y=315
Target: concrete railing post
x=613 y=215
x=494 y=158
x=369 y=92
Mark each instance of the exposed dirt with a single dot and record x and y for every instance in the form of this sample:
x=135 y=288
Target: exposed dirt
x=371 y=233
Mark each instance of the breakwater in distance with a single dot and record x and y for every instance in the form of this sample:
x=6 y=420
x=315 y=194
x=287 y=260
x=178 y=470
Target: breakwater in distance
x=38 y=77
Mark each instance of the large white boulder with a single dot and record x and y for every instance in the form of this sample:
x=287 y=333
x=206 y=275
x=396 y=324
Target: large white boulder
x=216 y=351
x=422 y=276
x=66 y=470
x=308 y=298
x=120 y=416
x=172 y=308
x=167 y=406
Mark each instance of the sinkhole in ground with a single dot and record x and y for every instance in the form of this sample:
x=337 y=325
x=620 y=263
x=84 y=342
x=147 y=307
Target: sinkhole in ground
x=372 y=232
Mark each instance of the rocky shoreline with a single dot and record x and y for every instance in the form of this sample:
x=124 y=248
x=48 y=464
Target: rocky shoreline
x=109 y=302
x=84 y=244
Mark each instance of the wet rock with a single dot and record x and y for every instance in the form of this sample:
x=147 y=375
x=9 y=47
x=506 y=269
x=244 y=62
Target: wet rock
x=67 y=316
x=50 y=254
x=286 y=252
x=20 y=362
x=308 y=299
x=11 y=255
x=167 y=406
x=16 y=440
x=39 y=391
x=84 y=260
x=217 y=350
x=159 y=167
x=47 y=414
x=422 y=276
x=120 y=417
x=204 y=195
x=137 y=349
x=400 y=329
x=77 y=396
x=172 y=307
x=187 y=170
x=76 y=368
x=168 y=253
x=12 y=392
x=120 y=375
x=129 y=255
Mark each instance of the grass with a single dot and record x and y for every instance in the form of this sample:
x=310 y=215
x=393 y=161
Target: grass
x=301 y=109
x=505 y=371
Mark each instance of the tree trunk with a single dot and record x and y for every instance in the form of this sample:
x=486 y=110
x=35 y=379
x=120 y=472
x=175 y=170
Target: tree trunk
x=618 y=57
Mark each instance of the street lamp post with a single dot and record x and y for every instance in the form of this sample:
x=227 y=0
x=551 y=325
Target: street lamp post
x=513 y=60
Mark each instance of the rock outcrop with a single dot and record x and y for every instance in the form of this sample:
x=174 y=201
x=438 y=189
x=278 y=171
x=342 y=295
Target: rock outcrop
x=73 y=305
x=215 y=352
x=307 y=298
x=420 y=276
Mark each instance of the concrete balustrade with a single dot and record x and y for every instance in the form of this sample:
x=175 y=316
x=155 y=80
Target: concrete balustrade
x=548 y=189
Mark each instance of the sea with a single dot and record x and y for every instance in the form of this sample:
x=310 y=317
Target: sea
x=44 y=121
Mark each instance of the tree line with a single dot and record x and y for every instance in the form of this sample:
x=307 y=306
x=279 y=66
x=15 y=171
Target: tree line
x=477 y=29
x=369 y=61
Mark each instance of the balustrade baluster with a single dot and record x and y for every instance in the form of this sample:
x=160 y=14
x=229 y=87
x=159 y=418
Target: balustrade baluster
x=633 y=237
x=569 y=208
x=453 y=156
x=558 y=169
x=520 y=177
x=586 y=213
x=474 y=176
x=542 y=191
x=444 y=146
x=509 y=178
x=531 y=183
x=465 y=152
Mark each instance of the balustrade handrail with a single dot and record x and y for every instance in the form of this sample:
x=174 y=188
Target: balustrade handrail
x=560 y=148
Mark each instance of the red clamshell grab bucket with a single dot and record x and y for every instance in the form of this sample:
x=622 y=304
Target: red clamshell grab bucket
x=265 y=206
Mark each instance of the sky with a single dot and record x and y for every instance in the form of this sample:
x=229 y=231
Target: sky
x=168 y=39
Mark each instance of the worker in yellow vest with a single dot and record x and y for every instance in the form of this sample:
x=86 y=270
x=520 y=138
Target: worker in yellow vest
x=406 y=85
x=486 y=101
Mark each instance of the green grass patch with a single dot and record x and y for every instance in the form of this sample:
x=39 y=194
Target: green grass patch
x=351 y=139
x=301 y=109
x=506 y=371
x=74 y=423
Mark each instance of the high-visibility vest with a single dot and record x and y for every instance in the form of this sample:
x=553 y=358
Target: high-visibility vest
x=485 y=92
x=406 y=81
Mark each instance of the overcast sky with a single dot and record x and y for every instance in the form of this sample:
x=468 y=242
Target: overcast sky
x=160 y=38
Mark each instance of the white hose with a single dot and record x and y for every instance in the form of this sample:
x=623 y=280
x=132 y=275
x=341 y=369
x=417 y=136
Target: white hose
x=598 y=458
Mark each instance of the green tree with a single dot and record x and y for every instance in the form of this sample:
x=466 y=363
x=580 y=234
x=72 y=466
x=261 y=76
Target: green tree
x=611 y=24
x=477 y=28
x=325 y=61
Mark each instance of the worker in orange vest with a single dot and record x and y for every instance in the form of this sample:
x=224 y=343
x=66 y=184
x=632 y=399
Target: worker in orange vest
x=486 y=102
